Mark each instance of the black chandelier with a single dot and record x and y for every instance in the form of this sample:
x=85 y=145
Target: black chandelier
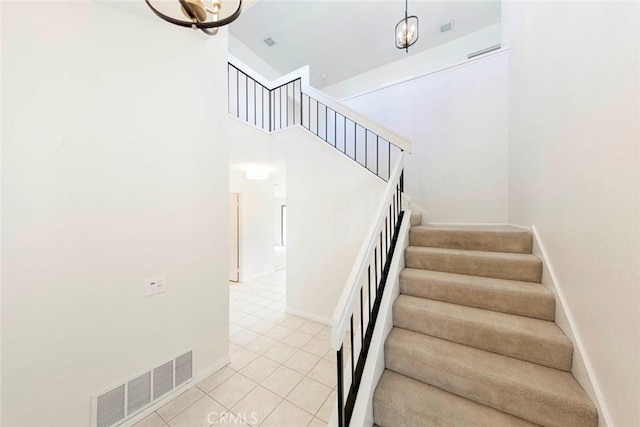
x=407 y=30
x=199 y=14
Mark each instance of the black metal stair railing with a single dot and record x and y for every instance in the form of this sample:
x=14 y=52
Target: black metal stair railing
x=286 y=105
x=357 y=312
x=289 y=104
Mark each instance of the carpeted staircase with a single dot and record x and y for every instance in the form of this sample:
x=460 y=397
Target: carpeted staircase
x=474 y=342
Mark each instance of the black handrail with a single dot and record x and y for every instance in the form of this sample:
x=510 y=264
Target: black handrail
x=287 y=105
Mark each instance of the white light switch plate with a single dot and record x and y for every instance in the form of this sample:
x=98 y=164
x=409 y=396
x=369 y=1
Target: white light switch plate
x=161 y=285
x=151 y=287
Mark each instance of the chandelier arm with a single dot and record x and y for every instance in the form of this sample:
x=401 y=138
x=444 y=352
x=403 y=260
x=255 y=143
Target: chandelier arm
x=200 y=25
x=209 y=31
x=187 y=9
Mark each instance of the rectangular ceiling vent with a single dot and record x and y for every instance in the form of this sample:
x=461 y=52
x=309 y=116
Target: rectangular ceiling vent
x=269 y=41
x=446 y=27
x=483 y=51
x=118 y=404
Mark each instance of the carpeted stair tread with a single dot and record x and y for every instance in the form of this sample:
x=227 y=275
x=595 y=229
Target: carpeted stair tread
x=403 y=401
x=507 y=296
x=525 y=338
x=484 y=238
x=536 y=393
x=500 y=265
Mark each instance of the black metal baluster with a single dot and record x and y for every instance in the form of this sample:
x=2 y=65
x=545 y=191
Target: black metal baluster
x=339 y=362
x=269 y=111
x=366 y=148
x=287 y=101
x=344 y=138
x=317 y=118
x=369 y=285
x=300 y=85
x=237 y=93
x=326 y=123
x=246 y=98
x=353 y=363
x=386 y=235
x=335 y=129
x=355 y=139
x=309 y=112
x=381 y=264
x=361 y=321
x=389 y=155
x=255 y=105
x=377 y=155
x=375 y=265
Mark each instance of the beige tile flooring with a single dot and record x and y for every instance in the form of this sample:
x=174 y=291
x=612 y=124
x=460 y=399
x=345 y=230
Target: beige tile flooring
x=282 y=371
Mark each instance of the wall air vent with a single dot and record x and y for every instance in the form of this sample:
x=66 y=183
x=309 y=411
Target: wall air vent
x=446 y=27
x=184 y=368
x=483 y=51
x=118 y=404
x=110 y=407
x=269 y=41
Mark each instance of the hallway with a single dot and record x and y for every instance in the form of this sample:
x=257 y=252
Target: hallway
x=282 y=369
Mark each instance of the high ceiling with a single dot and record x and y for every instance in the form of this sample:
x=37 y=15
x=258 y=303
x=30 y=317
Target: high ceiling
x=340 y=39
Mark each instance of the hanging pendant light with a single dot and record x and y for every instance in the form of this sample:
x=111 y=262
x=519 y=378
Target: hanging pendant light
x=204 y=15
x=407 y=30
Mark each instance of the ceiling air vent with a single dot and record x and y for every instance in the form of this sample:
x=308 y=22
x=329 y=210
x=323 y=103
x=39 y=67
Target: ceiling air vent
x=269 y=41
x=446 y=27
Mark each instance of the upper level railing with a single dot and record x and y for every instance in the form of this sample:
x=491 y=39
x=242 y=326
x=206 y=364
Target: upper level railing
x=291 y=101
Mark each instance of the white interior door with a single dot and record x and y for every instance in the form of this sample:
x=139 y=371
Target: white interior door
x=234 y=237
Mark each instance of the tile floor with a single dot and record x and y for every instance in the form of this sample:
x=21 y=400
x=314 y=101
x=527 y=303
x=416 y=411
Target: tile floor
x=282 y=371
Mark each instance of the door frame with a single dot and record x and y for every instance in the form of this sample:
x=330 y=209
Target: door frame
x=239 y=231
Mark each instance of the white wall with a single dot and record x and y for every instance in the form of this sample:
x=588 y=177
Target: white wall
x=575 y=174
x=249 y=57
x=331 y=202
x=430 y=60
x=114 y=171
x=457 y=122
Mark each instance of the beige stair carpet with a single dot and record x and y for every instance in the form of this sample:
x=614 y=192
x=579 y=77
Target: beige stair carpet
x=474 y=341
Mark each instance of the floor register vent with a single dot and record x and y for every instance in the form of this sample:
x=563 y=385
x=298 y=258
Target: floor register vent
x=117 y=404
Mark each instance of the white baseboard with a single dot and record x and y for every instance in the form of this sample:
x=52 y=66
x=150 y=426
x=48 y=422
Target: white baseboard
x=307 y=315
x=582 y=369
x=199 y=376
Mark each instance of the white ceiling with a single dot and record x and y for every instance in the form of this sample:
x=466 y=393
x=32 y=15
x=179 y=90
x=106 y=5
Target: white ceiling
x=341 y=39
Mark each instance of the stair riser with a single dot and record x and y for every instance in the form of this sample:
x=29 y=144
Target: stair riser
x=530 y=304
x=525 y=270
x=511 y=241
x=529 y=348
x=401 y=401
x=509 y=397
